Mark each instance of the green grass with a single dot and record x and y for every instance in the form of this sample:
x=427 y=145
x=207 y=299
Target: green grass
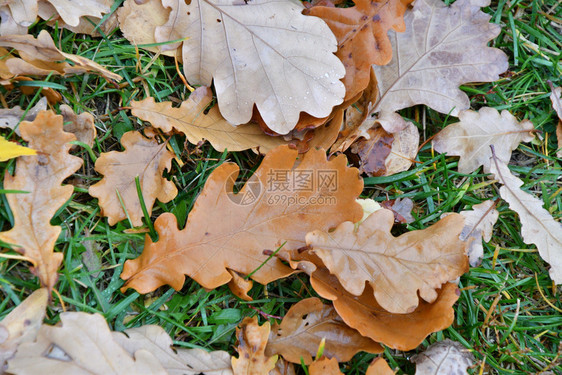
x=509 y=313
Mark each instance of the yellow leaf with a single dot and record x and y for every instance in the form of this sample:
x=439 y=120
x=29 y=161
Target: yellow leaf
x=10 y=150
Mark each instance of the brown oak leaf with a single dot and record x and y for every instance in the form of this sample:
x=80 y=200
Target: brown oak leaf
x=379 y=367
x=252 y=339
x=143 y=157
x=362 y=37
x=325 y=366
x=82 y=125
x=305 y=325
x=239 y=231
x=396 y=267
x=41 y=176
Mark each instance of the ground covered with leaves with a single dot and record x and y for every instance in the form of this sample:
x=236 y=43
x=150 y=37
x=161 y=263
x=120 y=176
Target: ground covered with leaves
x=430 y=235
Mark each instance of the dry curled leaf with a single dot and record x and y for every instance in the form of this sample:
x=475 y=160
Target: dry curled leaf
x=379 y=367
x=82 y=17
x=396 y=267
x=477 y=130
x=10 y=117
x=305 y=325
x=362 y=37
x=442 y=48
x=22 y=324
x=176 y=361
x=144 y=158
x=280 y=202
x=82 y=344
x=401 y=208
x=324 y=366
x=263 y=53
x=82 y=125
x=41 y=176
x=398 y=331
x=191 y=120
x=537 y=224
x=41 y=57
x=556 y=99
x=372 y=152
x=239 y=286
x=443 y=357
x=404 y=149
x=252 y=340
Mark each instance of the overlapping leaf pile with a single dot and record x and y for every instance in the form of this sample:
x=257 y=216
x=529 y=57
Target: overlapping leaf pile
x=290 y=83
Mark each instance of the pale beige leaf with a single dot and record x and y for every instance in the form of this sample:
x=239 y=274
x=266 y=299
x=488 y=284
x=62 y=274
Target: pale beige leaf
x=252 y=339
x=41 y=175
x=143 y=157
x=404 y=149
x=82 y=126
x=556 y=99
x=81 y=345
x=88 y=24
x=22 y=324
x=175 y=361
x=396 y=267
x=198 y=126
x=442 y=48
x=478 y=225
x=477 y=130
x=305 y=325
x=264 y=53
x=70 y=11
x=443 y=357
x=537 y=224
x=10 y=117
x=8 y=26
x=24 y=12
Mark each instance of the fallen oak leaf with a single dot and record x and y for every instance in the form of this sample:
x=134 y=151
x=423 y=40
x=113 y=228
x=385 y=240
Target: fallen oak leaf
x=379 y=367
x=396 y=267
x=239 y=286
x=442 y=48
x=144 y=158
x=471 y=137
x=277 y=59
x=556 y=99
x=537 y=225
x=10 y=117
x=82 y=125
x=41 y=176
x=252 y=340
x=324 y=366
x=402 y=209
x=238 y=231
x=443 y=357
x=10 y=150
x=304 y=327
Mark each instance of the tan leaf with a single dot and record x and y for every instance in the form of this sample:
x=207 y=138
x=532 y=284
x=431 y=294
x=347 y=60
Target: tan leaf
x=71 y=11
x=82 y=126
x=264 y=53
x=176 y=361
x=472 y=136
x=22 y=324
x=305 y=325
x=8 y=26
x=556 y=99
x=443 y=357
x=404 y=149
x=240 y=231
x=24 y=12
x=10 y=117
x=398 y=331
x=41 y=57
x=239 y=286
x=143 y=157
x=442 y=48
x=283 y=367
x=379 y=367
x=191 y=120
x=478 y=225
x=362 y=37
x=537 y=225
x=41 y=176
x=324 y=366
x=396 y=267
x=82 y=344
x=252 y=340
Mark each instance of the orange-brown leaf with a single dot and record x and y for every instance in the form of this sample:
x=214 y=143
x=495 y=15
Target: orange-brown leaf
x=239 y=231
x=41 y=176
x=379 y=367
x=362 y=37
x=143 y=157
x=325 y=366
x=252 y=340
x=306 y=324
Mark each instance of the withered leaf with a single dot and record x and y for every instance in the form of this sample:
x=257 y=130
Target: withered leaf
x=176 y=361
x=379 y=367
x=143 y=157
x=239 y=286
x=442 y=48
x=239 y=231
x=324 y=366
x=198 y=126
x=252 y=339
x=22 y=324
x=372 y=152
x=537 y=225
x=396 y=267
x=41 y=176
x=82 y=125
x=556 y=99
x=477 y=130
x=398 y=331
x=305 y=325
x=404 y=149
x=401 y=208
x=72 y=11
x=10 y=117
x=83 y=344
x=8 y=26
x=265 y=53
x=361 y=32
x=443 y=357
